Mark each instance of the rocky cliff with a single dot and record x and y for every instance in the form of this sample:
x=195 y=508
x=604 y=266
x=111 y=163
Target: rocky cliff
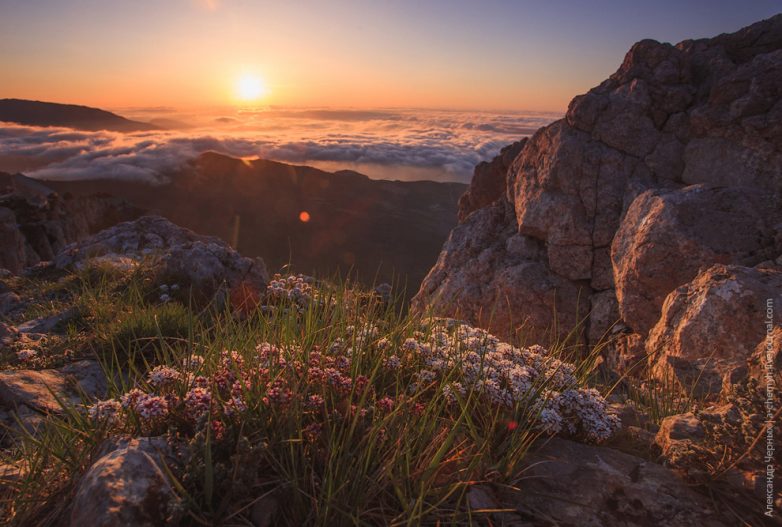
x=617 y=213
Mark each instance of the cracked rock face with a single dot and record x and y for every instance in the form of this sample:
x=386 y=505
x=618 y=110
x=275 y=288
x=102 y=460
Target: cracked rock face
x=488 y=181
x=175 y=254
x=671 y=165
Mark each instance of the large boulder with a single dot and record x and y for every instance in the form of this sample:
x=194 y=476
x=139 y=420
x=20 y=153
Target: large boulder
x=671 y=165
x=572 y=484
x=173 y=254
x=713 y=325
x=667 y=236
x=126 y=486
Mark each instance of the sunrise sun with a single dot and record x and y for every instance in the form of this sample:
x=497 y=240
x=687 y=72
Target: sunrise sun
x=250 y=88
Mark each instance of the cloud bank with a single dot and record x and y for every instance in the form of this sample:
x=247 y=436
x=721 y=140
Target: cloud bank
x=446 y=145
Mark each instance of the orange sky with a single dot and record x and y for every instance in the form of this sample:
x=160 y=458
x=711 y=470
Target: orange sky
x=457 y=54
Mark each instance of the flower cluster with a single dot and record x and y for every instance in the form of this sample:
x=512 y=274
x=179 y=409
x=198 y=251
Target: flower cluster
x=443 y=358
x=508 y=376
x=166 y=291
x=163 y=376
x=293 y=288
x=105 y=411
x=25 y=355
x=270 y=379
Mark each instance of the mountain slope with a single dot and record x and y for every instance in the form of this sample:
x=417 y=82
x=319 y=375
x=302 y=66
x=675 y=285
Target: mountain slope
x=37 y=113
x=377 y=228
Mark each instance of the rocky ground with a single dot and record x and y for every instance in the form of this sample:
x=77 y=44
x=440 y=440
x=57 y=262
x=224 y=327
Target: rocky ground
x=151 y=375
x=673 y=462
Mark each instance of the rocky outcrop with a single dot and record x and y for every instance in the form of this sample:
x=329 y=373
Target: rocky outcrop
x=36 y=222
x=488 y=181
x=172 y=254
x=670 y=166
x=27 y=396
x=478 y=274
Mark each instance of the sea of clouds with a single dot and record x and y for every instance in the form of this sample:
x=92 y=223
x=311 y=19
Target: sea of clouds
x=390 y=144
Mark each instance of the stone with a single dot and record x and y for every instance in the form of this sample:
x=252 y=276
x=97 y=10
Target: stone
x=126 y=486
x=14 y=254
x=9 y=302
x=174 y=255
x=604 y=314
x=49 y=323
x=766 y=361
x=630 y=353
x=667 y=236
x=463 y=283
x=568 y=483
x=36 y=389
x=713 y=324
x=485 y=506
x=488 y=181
x=679 y=431
x=8 y=334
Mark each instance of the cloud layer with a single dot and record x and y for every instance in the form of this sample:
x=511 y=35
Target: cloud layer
x=445 y=145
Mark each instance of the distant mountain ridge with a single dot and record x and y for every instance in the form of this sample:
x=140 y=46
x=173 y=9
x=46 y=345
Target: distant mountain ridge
x=378 y=229
x=37 y=113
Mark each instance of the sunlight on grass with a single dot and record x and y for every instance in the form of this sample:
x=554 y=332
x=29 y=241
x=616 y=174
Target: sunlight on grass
x=338 y=404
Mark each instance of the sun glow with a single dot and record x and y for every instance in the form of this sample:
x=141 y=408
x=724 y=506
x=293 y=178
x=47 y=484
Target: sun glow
x=250 y=88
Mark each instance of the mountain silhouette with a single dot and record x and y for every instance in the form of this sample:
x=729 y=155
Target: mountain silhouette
x=37 y=113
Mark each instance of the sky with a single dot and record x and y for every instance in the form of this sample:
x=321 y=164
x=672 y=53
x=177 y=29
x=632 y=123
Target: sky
x=455 y=54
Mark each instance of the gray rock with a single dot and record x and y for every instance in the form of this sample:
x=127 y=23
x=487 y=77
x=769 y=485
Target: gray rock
x=667 y=236
x=599 y=200
x=48 y=324
x=36 y=222
x=713 y=324
x=173 y=254
x=36 y=389
x=488 y=181
x=126 y=486
x=478 y=273
x=9 y=302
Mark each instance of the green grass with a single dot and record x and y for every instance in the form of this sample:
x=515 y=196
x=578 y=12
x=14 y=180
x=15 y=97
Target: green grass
x=411 y=464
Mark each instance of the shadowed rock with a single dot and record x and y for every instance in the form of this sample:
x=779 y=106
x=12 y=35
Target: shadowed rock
x=171 y=253
x=127 y=486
